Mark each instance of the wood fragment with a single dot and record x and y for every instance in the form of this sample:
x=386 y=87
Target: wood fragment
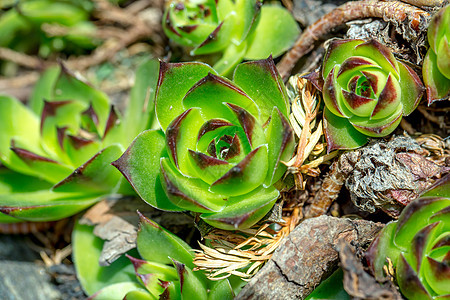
x=391 y=11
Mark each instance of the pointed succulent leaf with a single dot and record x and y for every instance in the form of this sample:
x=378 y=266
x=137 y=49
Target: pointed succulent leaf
x=232 y=55
x=243 y=211
x=86 y=253
x=265 y=41
x=411 y=89
x=252 y=170
x=13 y=113
x=45 y=205
x=189 y=193
x=409 y=282
x=221 y=290
x=337 y=53
x=261 y=81
x=377 y=128
x=143 y=267
x=121 y=290
x=340 y=134
x=140 y=166
x=156 y=244
x=139 y=295
x=43 y=89
x=97 y=175
x=436 y=67
x=175 y=80
x=217 y=39
x=140 y=110
x=210 y=95
x=190 y=285
x=280 y=138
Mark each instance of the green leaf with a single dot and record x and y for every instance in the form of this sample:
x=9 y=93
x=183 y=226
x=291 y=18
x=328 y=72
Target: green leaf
x=140 y=166
x=210 y=94
x=340 y=134
x=231 y=56
x=260 y=80
x=248 y=12
x=243 y=211
x=45 y=205
x=97 y=175
x=140 y=110
x=191 y=287
x=20 y=124
x=156 y=244
x=221 y=290
x=411 y=88
x=338 y=51
x=123 y=290
x=438 y=86
x=274 y=34
x=281 y=145
x=175 y=80
x=86 y=253
x=189 y=193
x=43 y=89
x=217 y=39
x=377 y=128
x=331 y=288
x=245 y=176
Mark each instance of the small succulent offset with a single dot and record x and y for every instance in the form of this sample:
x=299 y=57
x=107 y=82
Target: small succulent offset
x=56 y=153
x=418 y=245
x=241 y=29
x=164 y=271
x=221 y=145
x=436 y=67
x=366 y=92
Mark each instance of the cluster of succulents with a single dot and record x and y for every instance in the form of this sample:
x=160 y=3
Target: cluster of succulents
x=366 y=91
x=56 y=152
x=436 y=67
x=72 y=30
x=242 y=29
x=417 y=245
x=221 y=145
x=163 y=271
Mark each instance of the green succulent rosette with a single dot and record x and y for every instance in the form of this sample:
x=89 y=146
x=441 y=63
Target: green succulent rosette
x=56 y=152
x=418 y=244
x=242 y=29
x=221 y=145
x=436 y=66
x=164 y=269
x=366 y=92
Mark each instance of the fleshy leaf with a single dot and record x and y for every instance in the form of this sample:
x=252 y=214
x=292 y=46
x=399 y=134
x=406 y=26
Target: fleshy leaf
x=120 y=291
x=208 y=168
x=340 y=134
x=411 y=87
x=409 y=282
x=218 y=39
x=251 y=170
x=96 y=175
x=281 y=144
x=221 y=290
x=139 y=295
x=210 y=94
x=140 y=166
x=377 y=128
x=265 y=41
x=232 y=55
x=338 y=51
x=188 y=193
x=190 y=285
x=243 y=211
x=437 y=85
x=261 y=81
x=175 y=80
x=248 y=12
x=92 y=276
x=379 y=53
x=156 y=244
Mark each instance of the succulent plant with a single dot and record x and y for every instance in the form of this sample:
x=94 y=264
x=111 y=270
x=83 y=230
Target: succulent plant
x=418 y=246
x=436 y=66
x=34 y=18
x=242 y=29
x=164 y=269
x=56 y=153
x=221 y=144
x=366 y=92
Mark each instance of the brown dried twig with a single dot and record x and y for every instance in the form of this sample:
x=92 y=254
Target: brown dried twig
x=412 y=18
